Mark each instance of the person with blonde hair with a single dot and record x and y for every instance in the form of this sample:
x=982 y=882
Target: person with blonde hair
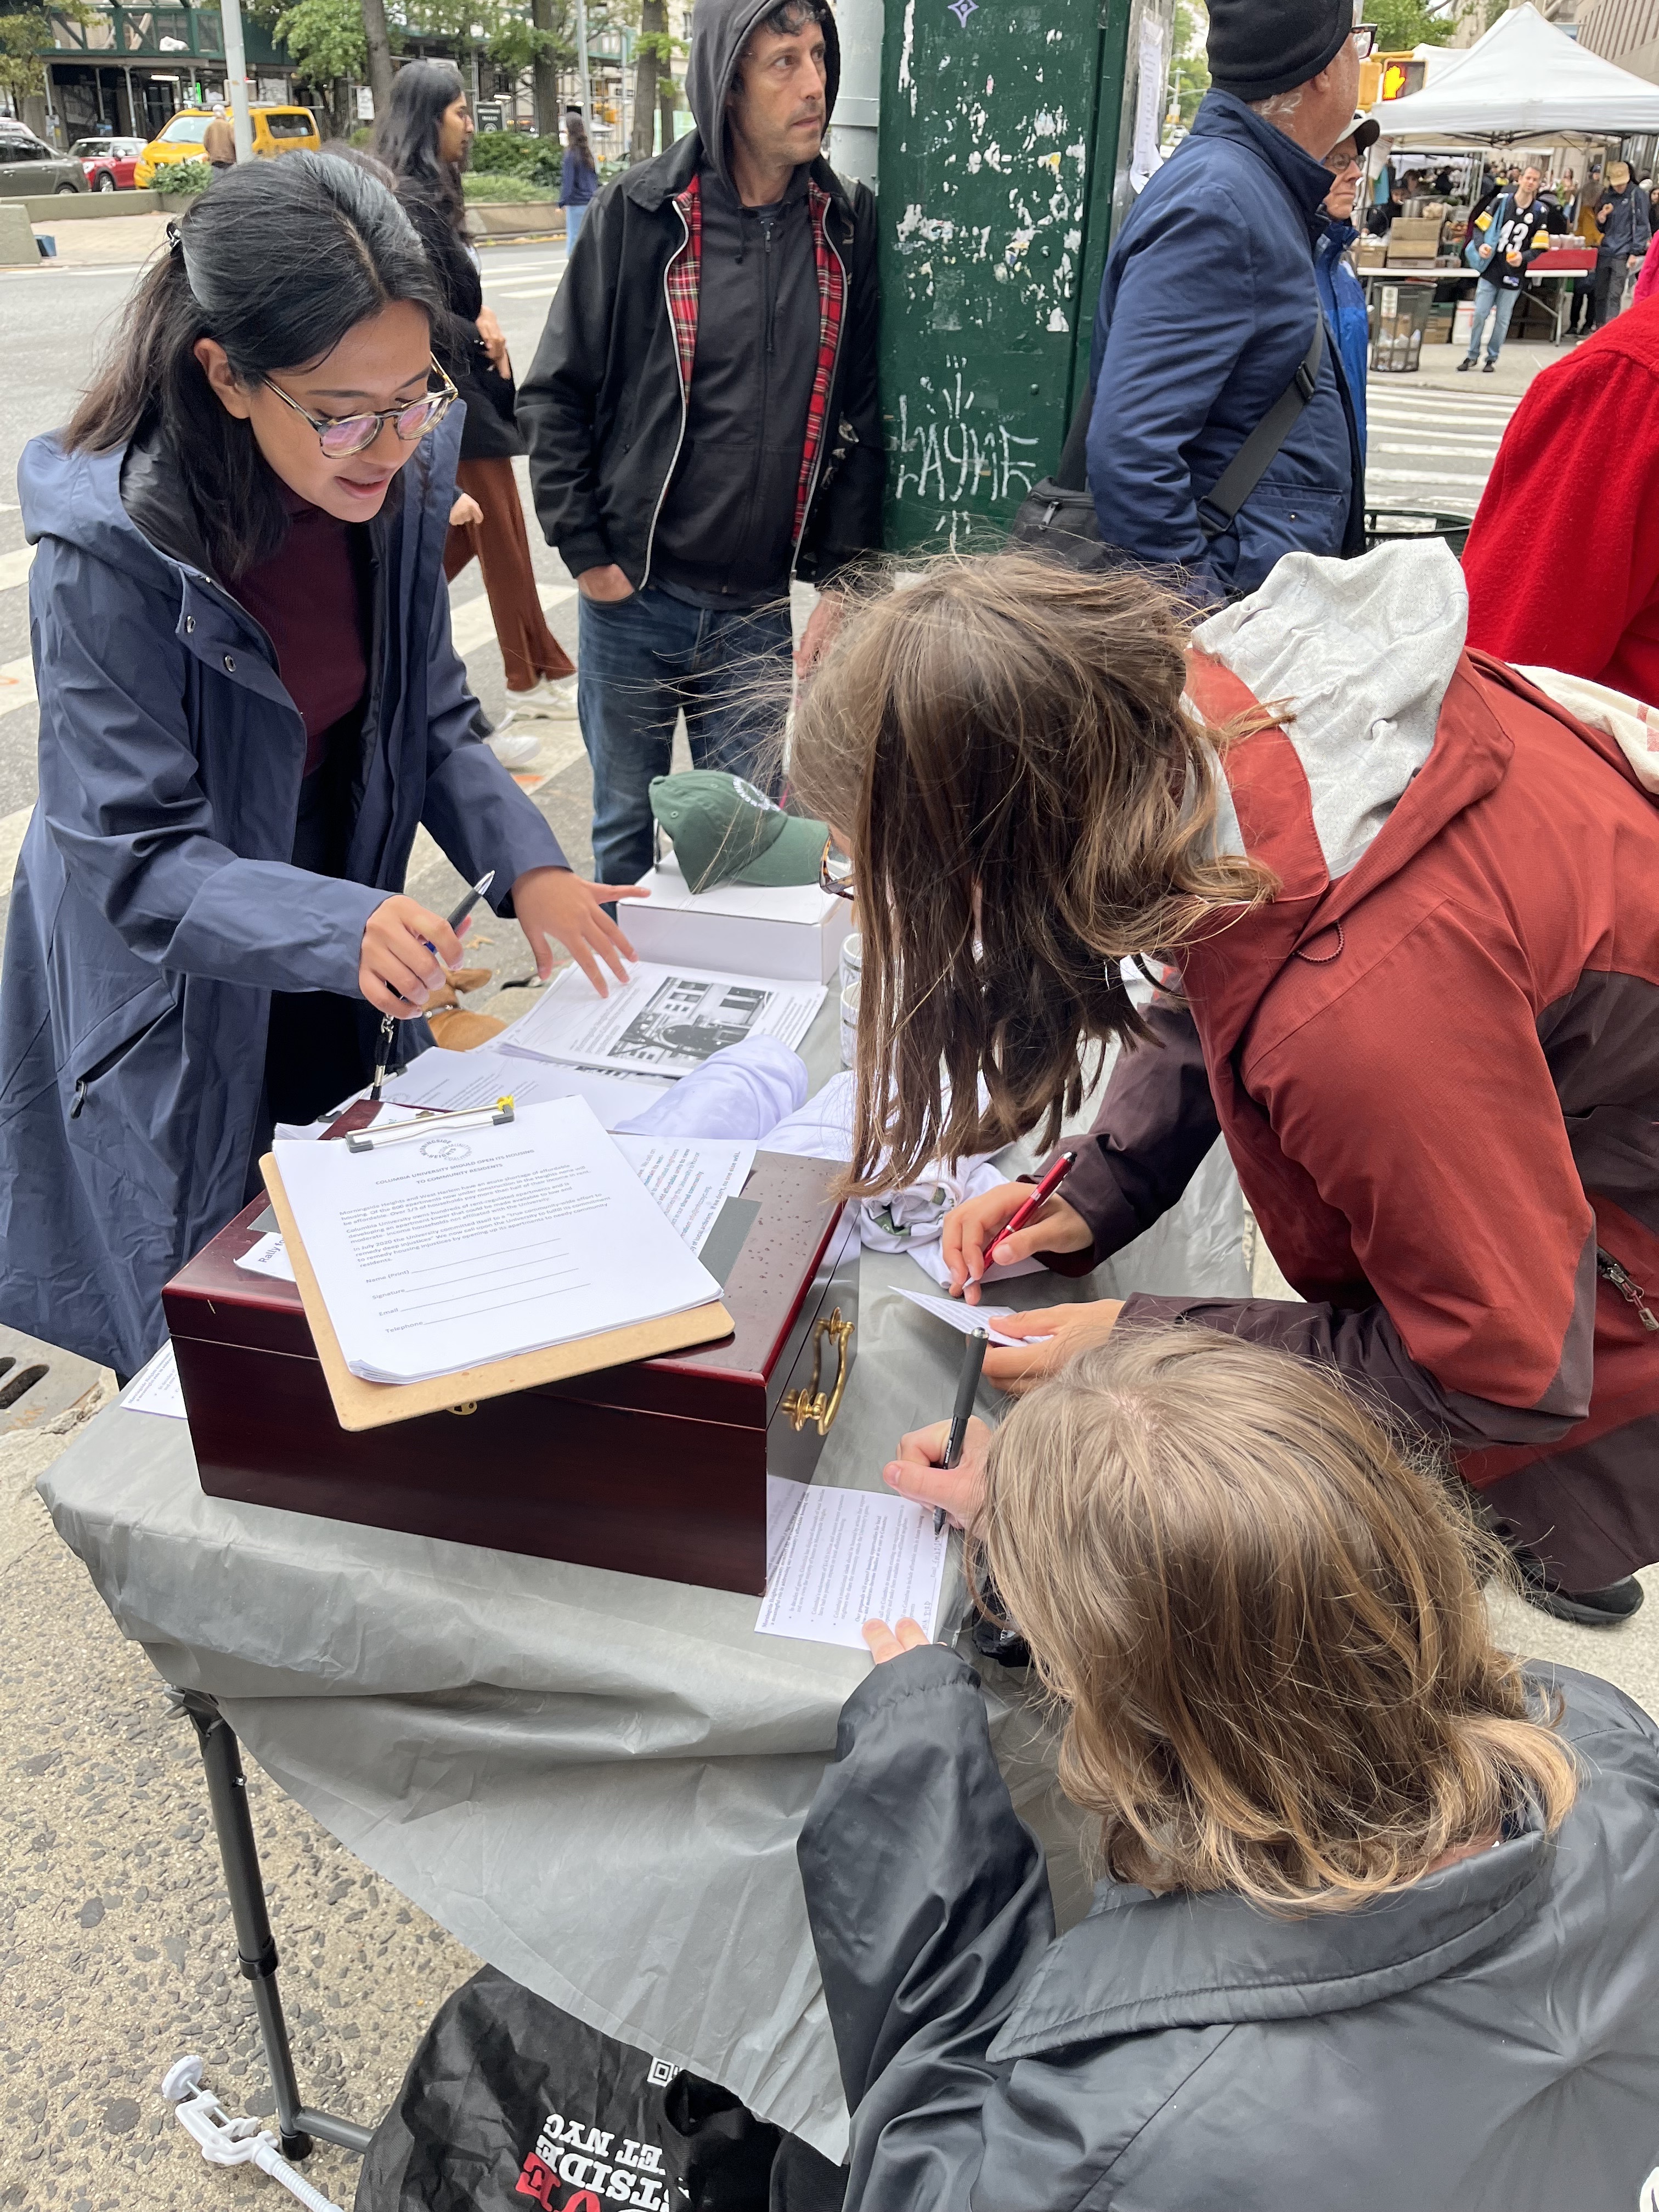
x=1379 y=1924
x=1402 y=902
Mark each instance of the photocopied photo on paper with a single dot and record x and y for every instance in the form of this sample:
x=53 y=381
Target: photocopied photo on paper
x=662 y=1021
x=838 y=1558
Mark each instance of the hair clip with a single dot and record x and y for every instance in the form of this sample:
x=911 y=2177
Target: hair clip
x=175 y=238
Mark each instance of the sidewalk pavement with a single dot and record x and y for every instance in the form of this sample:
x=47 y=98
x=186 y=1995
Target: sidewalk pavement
x=120 y=242
x=1517 y=365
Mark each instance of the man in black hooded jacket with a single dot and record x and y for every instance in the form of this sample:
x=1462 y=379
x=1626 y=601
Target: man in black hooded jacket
x=703 y=417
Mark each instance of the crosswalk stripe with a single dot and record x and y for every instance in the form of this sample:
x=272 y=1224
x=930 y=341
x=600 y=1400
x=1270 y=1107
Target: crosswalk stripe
x=1422 y=477
x=1450 y=453
x=471 y=626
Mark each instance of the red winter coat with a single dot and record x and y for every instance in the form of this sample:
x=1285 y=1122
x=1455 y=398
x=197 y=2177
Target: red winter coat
x=1438 y=1078
x=1563 y=560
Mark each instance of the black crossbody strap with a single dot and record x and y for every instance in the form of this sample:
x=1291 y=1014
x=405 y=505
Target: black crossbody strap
x=1072 y=475
x=1243 y=473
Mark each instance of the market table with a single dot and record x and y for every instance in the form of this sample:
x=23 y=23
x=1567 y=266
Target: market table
x=593 y=1780
x=1417 y=272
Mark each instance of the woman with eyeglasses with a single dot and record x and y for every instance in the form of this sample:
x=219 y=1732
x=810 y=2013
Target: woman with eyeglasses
x=249 y=704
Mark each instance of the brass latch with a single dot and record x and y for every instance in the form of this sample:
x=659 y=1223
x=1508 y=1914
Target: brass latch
x=812 y=1405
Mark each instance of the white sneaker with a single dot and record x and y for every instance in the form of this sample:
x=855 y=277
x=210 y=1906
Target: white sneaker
x=550 y=695
x=514 y=748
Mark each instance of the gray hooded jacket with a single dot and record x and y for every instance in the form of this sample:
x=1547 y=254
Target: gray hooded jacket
x=1485 y=2041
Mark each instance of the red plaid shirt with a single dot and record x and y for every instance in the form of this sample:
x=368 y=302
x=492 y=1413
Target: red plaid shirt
x=683 y=286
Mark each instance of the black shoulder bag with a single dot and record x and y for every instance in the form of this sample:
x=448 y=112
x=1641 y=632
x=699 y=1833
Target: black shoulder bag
x=1059 y=516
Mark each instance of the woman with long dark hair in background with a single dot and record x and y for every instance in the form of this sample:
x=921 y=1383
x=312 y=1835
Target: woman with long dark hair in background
x=249 y=703
x=423 y=138
x=578 y=177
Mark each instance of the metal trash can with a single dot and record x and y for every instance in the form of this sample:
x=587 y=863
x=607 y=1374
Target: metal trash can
x=1400 y=316
x=1384 y=525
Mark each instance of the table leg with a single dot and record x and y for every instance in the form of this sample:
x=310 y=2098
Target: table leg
x=256 y=1950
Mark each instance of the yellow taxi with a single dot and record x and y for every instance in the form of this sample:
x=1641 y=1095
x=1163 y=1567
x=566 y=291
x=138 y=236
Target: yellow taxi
x=275 y=131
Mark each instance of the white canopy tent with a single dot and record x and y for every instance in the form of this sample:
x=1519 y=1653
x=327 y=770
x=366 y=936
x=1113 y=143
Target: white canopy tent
x=1524 y=81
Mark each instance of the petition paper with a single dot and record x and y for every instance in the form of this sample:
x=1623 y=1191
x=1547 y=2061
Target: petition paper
x=850 y=1556
x=155 y=1389
x=449 y=1250
x=689 y=1177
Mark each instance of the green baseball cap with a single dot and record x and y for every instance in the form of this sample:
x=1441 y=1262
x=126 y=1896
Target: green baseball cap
x=726 y=831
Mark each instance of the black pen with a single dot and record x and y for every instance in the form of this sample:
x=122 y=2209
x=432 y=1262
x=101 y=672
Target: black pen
x=389 y=1021
x=973 y=1361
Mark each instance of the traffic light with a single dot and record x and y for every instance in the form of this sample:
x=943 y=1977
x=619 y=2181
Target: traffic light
x=1400 y=74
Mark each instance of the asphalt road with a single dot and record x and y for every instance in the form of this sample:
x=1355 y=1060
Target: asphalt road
x=58 y=322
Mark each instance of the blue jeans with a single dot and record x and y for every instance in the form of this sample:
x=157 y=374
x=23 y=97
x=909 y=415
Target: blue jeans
x=573 y=225
x=639 y=661
x=1492 y=299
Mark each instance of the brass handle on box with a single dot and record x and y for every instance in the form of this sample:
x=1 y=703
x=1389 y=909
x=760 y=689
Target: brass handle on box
x=810 y=1404
x=466 y=1406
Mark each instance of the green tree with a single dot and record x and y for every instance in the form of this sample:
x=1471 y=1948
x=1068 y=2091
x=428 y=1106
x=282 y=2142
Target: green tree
x=1402 y=24
x=1189 y=69
x=325 y=38
x=23 y=32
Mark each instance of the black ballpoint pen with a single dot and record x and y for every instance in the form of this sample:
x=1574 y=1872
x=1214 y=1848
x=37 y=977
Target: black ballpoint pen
x=973 y=1361
x=389 y=1021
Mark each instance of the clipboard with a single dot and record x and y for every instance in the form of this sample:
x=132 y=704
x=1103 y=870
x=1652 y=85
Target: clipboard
x=361 y=1405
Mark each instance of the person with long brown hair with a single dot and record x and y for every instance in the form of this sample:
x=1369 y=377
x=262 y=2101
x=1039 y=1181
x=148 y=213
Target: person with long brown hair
x=1379 y=1924
x=1403 y=902
x=424 y=138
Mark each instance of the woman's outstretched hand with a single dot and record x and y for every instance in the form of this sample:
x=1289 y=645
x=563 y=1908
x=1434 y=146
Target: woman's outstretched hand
x=553 y=903
x=404 y=952
x=970 y=1231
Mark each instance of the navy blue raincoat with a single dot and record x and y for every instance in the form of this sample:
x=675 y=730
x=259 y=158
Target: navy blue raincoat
x=1206 y=309
x=155 y=908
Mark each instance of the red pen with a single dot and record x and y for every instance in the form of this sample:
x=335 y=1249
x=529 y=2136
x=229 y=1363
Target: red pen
x=1040 y=1197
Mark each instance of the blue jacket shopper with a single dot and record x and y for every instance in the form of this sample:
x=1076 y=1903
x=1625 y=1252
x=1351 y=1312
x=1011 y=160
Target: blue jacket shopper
x=200 y=930
x=1345 y=315
x=1207 y=307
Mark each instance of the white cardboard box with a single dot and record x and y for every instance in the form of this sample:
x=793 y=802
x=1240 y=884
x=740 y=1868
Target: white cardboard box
x=794 y=932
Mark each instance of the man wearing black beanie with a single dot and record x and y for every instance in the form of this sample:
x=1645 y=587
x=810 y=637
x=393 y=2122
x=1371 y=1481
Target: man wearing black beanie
x=1209 y=311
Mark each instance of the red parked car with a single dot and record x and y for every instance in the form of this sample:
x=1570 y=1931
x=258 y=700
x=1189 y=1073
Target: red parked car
x=108 y=162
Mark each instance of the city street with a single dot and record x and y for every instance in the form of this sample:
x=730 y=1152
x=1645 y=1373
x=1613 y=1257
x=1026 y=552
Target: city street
x=116 y=1952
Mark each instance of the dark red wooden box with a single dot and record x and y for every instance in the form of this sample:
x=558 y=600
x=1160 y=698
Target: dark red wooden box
x=658 y=1468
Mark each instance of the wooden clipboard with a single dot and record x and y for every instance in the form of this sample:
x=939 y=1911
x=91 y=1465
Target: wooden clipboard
x=360 y=1404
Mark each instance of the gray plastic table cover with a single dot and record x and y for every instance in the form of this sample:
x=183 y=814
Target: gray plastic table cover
x=593 y=1780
